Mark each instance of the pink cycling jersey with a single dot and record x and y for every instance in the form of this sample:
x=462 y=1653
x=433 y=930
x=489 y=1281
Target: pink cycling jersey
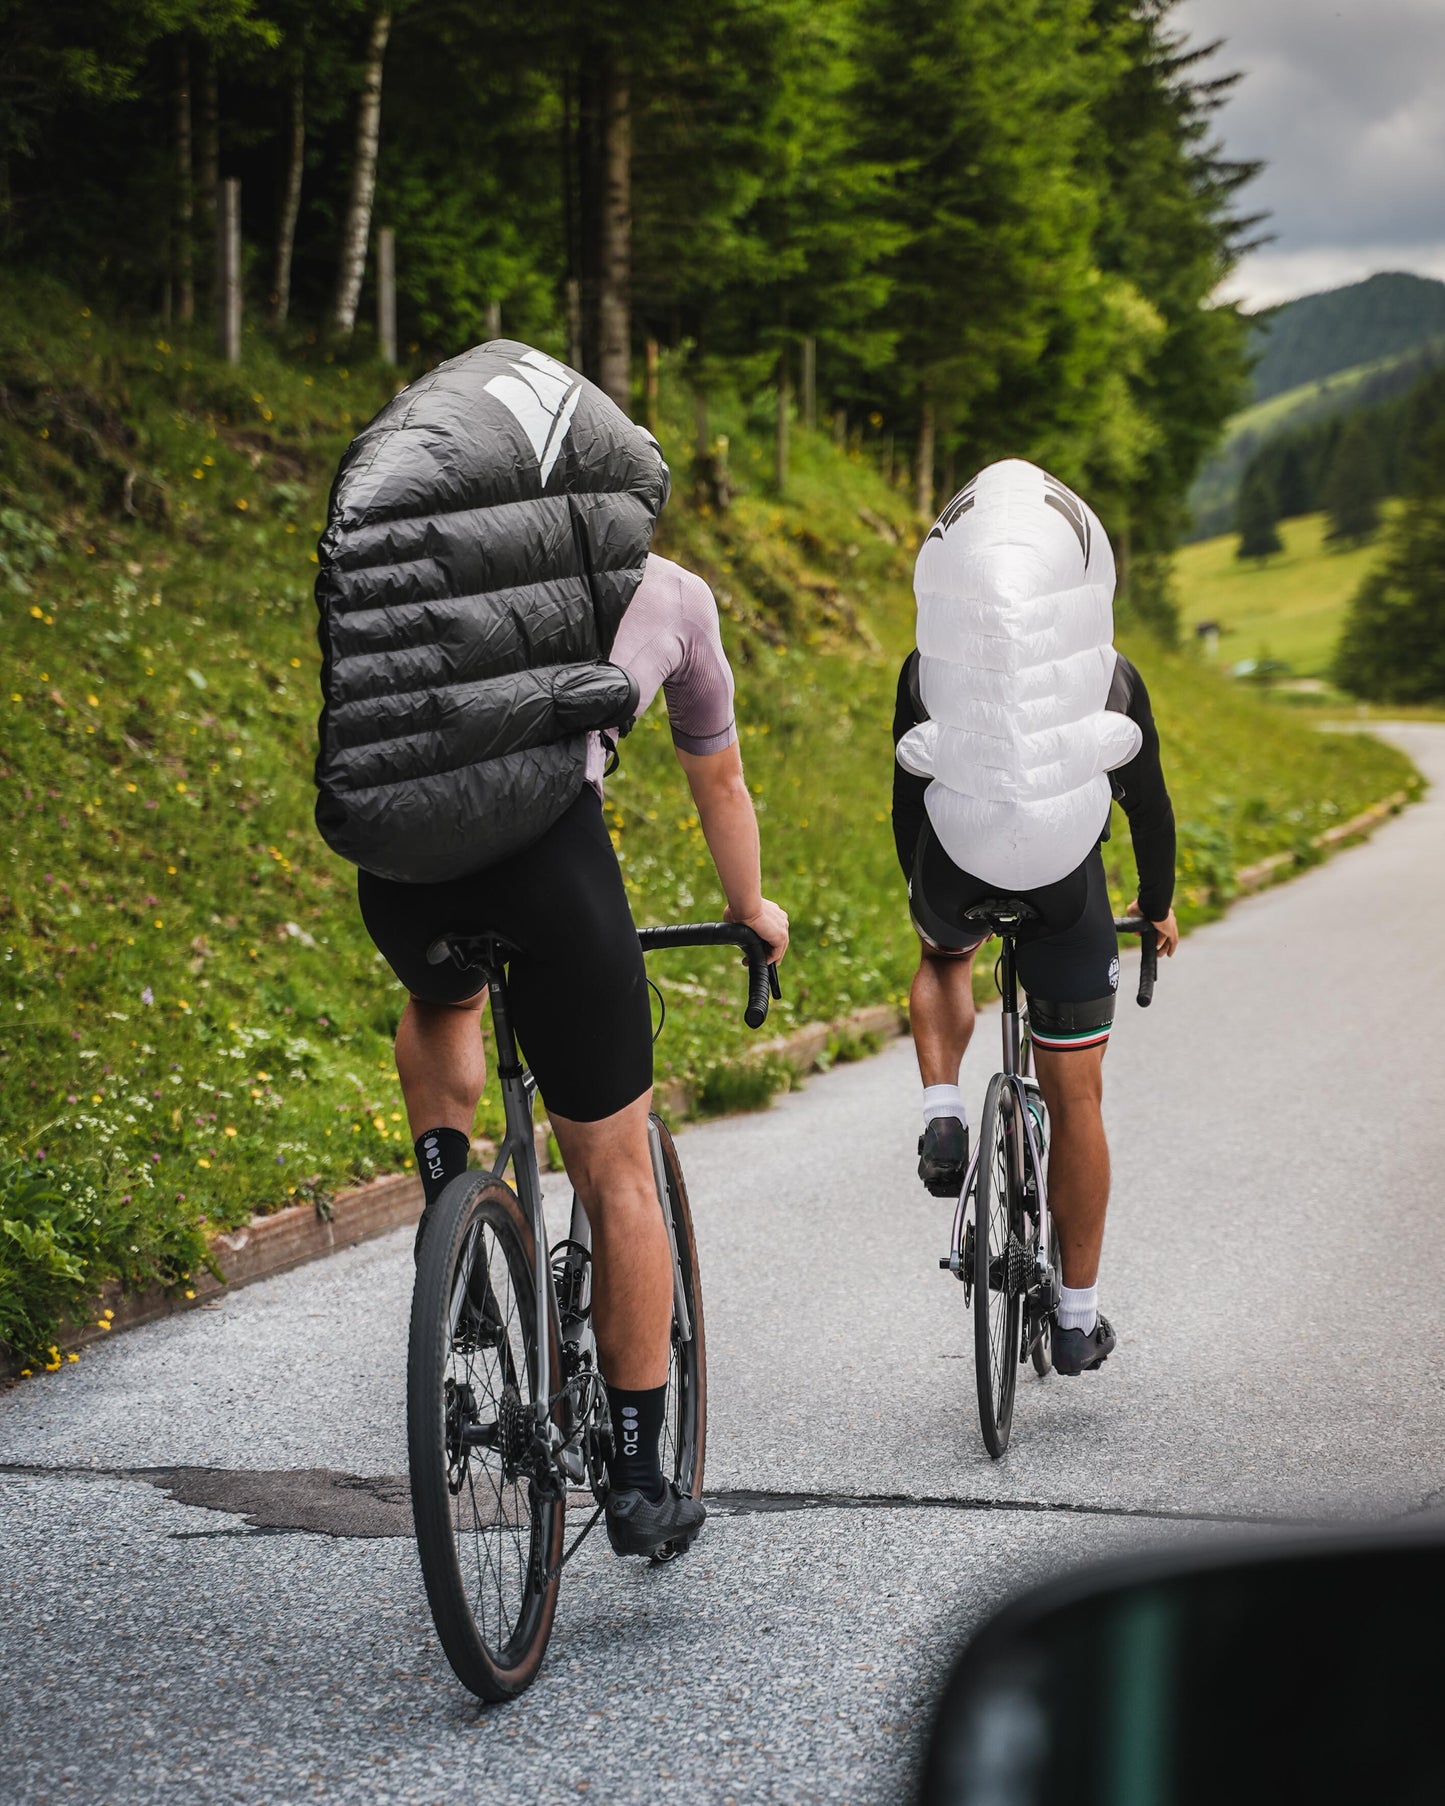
x=670 y=640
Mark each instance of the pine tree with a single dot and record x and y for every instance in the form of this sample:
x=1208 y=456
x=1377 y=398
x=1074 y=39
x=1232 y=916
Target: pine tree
x=1354 y=485
x=1169 y=227
x=1255 y=518
x=1392 y=648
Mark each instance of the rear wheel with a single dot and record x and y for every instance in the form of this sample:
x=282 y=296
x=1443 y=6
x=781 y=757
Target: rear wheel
x=1000 y=1261
x=488 y=1517
x=1041 y=1348
x=684 y=1428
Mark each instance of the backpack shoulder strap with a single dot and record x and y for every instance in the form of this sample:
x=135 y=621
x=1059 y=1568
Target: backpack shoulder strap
x=915 y=690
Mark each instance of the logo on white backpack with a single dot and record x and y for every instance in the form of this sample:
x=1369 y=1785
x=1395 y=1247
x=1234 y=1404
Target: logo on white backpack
x=542 y=394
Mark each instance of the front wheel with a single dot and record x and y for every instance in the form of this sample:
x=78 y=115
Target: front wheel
x=999 y=1264
x=488 y=1514
x=684 y=1429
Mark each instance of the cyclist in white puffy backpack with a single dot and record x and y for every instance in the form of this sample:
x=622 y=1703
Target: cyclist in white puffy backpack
x=1016 y=723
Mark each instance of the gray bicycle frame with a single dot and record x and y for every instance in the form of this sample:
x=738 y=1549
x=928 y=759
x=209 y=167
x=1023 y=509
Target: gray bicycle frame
x=1022 y=1085
x=519 y=1151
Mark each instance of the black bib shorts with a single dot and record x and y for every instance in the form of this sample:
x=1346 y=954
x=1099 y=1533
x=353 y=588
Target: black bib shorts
x=1068 y=960
x=577 y=987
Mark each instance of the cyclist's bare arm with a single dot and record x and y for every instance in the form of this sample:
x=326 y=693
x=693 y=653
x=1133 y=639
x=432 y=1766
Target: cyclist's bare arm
x=730 y=827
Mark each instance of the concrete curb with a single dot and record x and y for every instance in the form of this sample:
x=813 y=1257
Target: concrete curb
x=269 y=1245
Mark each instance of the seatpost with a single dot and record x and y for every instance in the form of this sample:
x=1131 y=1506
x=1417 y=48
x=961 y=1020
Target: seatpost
x=1008 y=988
x=517 y=1104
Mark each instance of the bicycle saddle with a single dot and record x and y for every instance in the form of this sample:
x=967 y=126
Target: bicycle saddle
x=471 y=950
x=1000 y=915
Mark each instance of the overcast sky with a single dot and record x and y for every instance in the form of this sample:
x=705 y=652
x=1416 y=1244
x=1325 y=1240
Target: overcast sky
x=1345 y=101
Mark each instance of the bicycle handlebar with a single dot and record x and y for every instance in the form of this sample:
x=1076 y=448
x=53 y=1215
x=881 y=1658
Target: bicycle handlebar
x=1149 y=953
x=762 y=977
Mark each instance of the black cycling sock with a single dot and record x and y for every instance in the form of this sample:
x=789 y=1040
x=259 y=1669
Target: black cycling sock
x=636 y=1433
x=440 y=1155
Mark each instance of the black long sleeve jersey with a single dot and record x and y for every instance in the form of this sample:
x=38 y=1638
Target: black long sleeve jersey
x=1138 y=787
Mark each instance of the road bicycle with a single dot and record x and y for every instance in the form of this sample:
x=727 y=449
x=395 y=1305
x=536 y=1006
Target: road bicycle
x=506 y=1407
x=1002 y=1244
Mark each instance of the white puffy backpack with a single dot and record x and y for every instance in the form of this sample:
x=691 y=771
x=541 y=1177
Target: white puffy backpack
x=1015 y=589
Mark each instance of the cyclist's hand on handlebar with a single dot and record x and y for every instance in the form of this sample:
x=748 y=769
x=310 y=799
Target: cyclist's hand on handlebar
x=1167 y=930
x=769 y=923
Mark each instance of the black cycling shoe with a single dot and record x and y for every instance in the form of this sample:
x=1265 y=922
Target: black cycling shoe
x=1077 y=1351
x=943 y=1156
x=637 y=1525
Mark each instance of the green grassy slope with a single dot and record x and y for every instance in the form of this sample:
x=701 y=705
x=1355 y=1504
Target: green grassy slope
x=196 y=1026
x=1289 y=607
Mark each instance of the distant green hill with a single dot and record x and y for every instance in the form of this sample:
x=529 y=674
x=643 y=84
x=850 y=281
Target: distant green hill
x=1365 y=387
x=1320 y=335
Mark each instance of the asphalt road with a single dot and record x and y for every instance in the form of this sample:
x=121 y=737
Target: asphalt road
x=209 y=1595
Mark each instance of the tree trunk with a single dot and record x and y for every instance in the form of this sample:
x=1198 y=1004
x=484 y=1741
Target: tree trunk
x=386 y=294
x=208 y=172
x=649 y=387
x=574 y=323
x=780 y=441
x=185 y=281
x=923 y=498
x=810 y=382
x=357 y=228
x=208 y=179
x=494 y=319
x=614 y=287
x=587 y=152
x=290 y=200
x=228 y=271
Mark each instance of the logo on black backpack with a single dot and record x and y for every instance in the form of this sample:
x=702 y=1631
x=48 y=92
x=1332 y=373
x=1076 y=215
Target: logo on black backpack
x=543 y=396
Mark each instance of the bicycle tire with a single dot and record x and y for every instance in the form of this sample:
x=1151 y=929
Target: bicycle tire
x=454 y=1346
x=997 y=1308
x=684 y=1433
x=1042 y=1351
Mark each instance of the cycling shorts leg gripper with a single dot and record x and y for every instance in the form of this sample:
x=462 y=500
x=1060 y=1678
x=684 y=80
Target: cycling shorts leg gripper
x=1065 y=1027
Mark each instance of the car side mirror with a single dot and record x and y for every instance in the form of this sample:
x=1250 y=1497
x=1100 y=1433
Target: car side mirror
x=1286 y=1669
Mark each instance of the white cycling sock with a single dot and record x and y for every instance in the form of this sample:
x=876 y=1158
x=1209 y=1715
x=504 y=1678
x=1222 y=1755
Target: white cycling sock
x=1079 y=1307
x=942 y=1100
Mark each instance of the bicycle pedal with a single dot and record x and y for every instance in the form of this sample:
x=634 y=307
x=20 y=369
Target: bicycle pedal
x=670 y=1551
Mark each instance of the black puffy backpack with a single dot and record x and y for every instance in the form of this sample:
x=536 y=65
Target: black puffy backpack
x=485 y=535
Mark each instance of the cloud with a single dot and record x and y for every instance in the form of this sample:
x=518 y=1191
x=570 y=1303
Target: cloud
x=1346 y=104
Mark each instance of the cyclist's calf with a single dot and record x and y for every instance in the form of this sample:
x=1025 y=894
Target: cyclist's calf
x=1073 y=1088
x=440 y=1063
x=610 y=1166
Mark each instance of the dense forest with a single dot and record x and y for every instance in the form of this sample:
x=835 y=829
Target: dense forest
x=955 y=229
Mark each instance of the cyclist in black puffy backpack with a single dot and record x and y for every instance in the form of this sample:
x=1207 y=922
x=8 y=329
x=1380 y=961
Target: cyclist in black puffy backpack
x=491 y=619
